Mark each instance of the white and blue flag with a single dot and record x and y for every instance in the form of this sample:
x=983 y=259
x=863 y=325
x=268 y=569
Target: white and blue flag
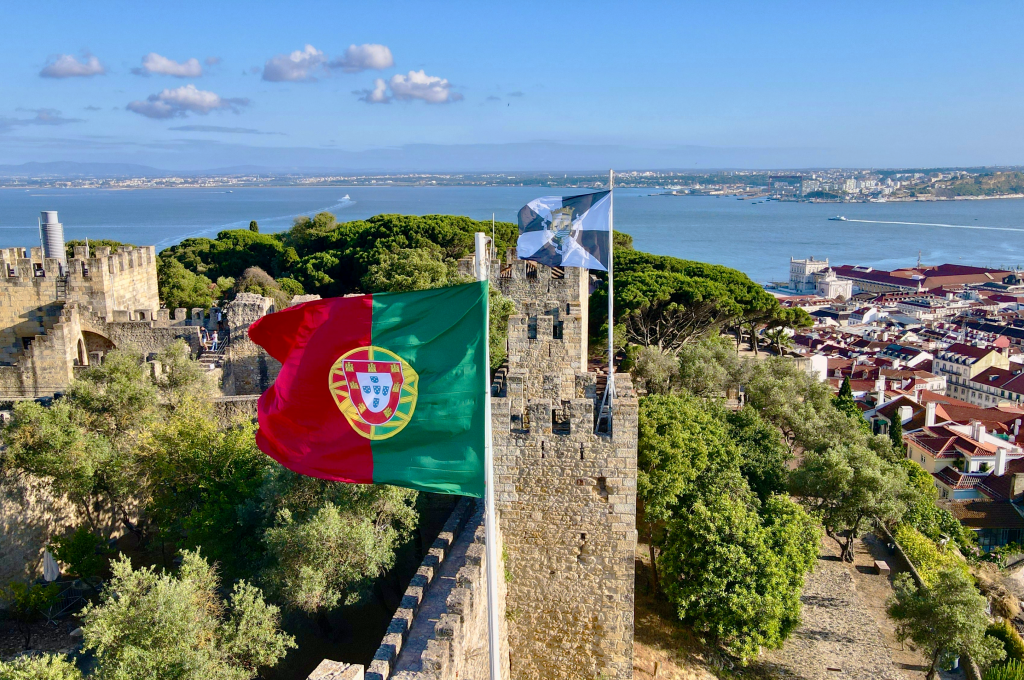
x=566 y=232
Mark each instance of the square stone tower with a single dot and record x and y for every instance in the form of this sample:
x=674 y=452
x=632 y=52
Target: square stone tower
x=566 y=497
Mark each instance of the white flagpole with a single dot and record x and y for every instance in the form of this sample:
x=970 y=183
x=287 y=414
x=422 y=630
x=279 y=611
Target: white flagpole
x=609 y=390
x=490 y=534
x=611 y=297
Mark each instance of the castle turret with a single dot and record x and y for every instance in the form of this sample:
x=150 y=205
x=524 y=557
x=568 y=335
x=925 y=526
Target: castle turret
x=566 y=497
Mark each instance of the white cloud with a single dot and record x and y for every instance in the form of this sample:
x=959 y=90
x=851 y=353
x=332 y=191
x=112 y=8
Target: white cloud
x=378 y=95
x=181 y=101
x=212 y=61
x=418 y=85
x=364 y=57
x=154 y=63
x=67 y=66
x=299 y=65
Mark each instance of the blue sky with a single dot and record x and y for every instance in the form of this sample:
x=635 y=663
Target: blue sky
x=524 y=85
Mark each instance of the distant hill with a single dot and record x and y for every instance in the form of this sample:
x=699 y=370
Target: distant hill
x=71 y=169
x=989 y=184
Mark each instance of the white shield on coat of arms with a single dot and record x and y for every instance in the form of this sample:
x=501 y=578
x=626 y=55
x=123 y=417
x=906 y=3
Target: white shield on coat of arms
x=375 y=389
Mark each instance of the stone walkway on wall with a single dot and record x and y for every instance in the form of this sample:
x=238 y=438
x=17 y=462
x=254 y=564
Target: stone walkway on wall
x=845 y=632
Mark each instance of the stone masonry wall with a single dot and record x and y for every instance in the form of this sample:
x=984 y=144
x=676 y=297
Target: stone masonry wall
x=439 y=631
x=248 y=368
x=566 y=497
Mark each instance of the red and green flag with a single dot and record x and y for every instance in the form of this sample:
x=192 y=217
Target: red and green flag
x=387 y=388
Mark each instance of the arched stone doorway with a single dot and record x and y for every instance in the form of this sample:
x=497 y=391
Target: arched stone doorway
x=96 y=347
x=83 y=356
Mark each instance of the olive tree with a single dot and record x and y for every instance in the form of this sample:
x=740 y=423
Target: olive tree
x=945 y=621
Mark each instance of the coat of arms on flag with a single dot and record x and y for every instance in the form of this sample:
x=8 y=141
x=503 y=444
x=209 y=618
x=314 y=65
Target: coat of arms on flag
x=375 y=390
x=566 y=232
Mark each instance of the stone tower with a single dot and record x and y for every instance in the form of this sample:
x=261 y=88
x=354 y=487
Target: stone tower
x=566 y=497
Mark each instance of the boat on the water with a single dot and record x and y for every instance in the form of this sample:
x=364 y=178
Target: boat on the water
x=837 y=218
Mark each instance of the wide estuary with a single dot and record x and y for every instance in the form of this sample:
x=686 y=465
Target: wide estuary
x=755 y=237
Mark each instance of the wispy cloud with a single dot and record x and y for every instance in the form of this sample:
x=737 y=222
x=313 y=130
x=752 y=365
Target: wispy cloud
x=181 y=101
x=222 y=128
x=363 y=58
x=297 y=66
x=42 y=117
x=492 y=98
x=212 y=61
x=67 y=66
x=515 y=94
x=92 y=108
x=154 y=63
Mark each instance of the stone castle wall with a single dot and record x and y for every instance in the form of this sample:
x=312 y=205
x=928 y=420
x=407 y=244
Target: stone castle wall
x=566 y=496
x=248 y=369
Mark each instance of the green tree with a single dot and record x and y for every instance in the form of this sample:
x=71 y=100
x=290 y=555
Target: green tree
x=1004 y=631
x=153 y=625
x=94 y=243
x=45 y=667
x=896 y=434
x=656 y=371
x=180 y=287
x=735 y=577
x=27 y=604
x=779 y=339
x=83 y=552
x=411 y=269
x=845 y=486
x=678 y=437
x=327 y=540
x=947 y=620
x=924 y=515
x=709 y=367
x=253 y=227
x=499 y=309
x=764 y=457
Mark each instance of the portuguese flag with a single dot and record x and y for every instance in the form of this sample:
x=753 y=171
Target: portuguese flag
x=380 y=389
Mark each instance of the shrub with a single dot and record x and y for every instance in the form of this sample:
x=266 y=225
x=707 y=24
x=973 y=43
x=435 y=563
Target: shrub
x=45 y=667
x=27 y=603
x=1004 y=631
x=1011 y=670
x=82 y=551
x=928 y=558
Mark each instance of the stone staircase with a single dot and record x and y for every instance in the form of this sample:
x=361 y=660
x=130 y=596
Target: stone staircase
x=211 y=360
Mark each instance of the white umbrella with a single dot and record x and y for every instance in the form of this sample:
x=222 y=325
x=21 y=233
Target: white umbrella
x=51 y=572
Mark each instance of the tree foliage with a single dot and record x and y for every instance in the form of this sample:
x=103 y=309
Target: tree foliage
x=153 y=625
x=27 y=604
x=44 y=667
x=736 y=574
x=947 y=620
x=330 y=258
x=180 y=287
x=667 y=302
x=846 y=486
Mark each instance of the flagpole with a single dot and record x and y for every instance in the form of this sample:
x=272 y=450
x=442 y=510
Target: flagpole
x=490 y=534
x=609 y=390
x=611 y=317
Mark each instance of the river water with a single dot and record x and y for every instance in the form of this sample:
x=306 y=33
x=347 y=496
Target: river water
x=757 y=238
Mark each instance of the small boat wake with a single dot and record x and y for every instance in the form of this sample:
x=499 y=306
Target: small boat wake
x=344 y=202
x=935 y=224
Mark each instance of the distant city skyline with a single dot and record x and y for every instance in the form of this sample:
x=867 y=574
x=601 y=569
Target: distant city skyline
x=529 y=86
